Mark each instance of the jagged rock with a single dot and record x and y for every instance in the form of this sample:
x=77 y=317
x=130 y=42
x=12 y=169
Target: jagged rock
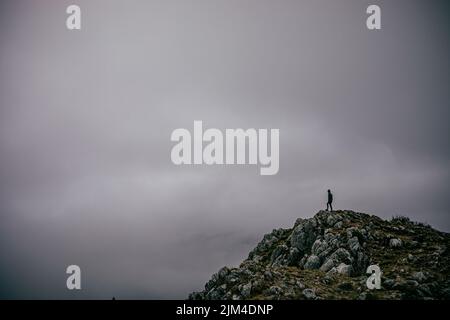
x=302 y=262
x=278 y=252
x=328 y=278
x=344 y=269
x=406 y=285
x=328 y=265
x=299 y=263
x=423 y=290
x=413 y=244
x=318 y=247
x=245 y=290
x=445 y=293
x=275 y=290
x=337 y=257
x=309 y=294
x=353 y=244
x=313 y=262
x=267 y=242
x=196 y=296
x=342 y=255
x=323 y=248
x=304 y=235
x=419 y=276
x=338 y=224
x=300 y=285
x=394 y=243
x=332 y=271
x=268 y=275
x=293 y=257
x=361 y=263
x=332 y=219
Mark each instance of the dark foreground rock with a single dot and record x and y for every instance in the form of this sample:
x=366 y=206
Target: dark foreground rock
x=326 y=257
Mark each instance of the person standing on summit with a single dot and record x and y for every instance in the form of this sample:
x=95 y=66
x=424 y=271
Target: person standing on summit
x=330 y=200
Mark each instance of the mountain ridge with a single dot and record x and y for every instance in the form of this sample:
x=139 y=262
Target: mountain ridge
x=326 y=257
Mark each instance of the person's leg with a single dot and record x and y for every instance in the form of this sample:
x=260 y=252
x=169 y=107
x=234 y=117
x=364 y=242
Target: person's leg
x=331 y=206
x=328 y=205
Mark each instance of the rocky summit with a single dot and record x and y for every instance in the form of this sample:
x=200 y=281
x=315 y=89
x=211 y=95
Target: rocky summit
x=327 y=256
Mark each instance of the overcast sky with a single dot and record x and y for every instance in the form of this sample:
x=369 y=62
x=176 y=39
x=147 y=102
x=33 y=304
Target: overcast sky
x=86 y=117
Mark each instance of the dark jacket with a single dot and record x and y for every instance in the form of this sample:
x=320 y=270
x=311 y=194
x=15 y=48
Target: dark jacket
x=330 y=197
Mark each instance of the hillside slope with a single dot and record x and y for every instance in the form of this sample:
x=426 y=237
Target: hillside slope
x=326 y=257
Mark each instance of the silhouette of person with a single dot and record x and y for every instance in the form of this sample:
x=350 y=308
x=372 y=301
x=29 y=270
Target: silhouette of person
x=330 y=200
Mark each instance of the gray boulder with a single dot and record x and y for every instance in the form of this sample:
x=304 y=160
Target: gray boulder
x=282 y=249
x=327 y=265
x=304 y=235
x=332 y=219
x=419 y=276
x=354 y=245
x=245 y=290
x=313 y=262
x=344 y=269
x=294 y=257
x=309 y=294
x=337 y=257
x=394 y=243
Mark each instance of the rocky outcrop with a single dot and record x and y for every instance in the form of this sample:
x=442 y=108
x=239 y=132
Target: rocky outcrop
x=326 y=257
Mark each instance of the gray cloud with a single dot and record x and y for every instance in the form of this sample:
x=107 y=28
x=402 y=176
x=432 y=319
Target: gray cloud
x=86 y=118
